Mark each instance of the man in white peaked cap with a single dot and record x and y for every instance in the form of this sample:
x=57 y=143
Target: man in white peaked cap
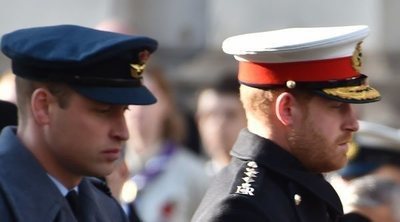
x=297 y=89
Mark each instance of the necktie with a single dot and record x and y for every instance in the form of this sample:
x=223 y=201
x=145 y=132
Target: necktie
x=73 y=200
x=132 y=214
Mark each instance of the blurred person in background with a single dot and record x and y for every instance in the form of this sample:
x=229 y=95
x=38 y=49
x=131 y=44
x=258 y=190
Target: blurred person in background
x=375 y=154
x=7 y=87
x=115 y=25
x=116 y=181
x=170 y=180
x=375 y=198
x=376 y=150
x=220 y=116
x=8 y=100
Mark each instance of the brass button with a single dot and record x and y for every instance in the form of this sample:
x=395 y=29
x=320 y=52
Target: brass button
x=290 y=84
x=297 y=199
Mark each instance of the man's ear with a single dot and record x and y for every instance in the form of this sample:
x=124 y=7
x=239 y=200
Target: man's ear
x=40 y=105
x=284 y=108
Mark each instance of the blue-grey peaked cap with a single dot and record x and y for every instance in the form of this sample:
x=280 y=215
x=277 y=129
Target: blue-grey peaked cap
x=103 y=66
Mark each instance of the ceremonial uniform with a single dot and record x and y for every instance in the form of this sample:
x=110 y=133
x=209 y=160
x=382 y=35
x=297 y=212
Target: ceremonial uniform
x=297 y=86
x=27 y=194
x=45 y=165
x=265 y=183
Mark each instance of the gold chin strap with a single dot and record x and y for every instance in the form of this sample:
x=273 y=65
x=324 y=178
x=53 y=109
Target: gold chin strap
x=362 y=92
x=353 y=150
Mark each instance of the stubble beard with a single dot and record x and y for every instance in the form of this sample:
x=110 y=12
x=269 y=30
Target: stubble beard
x=312 y=149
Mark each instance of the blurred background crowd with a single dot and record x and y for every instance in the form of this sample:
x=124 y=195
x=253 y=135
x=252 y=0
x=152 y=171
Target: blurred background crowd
x=177 y=145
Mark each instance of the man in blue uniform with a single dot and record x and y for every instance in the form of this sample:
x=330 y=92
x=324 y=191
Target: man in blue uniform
x=297 y=86
x=375 y=151
x=370 y=182
x=73 y=86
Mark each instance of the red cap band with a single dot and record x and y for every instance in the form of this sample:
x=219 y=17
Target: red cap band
x=308 y=71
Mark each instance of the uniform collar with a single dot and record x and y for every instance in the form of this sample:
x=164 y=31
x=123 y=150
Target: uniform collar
x=27 y=175
x=64 y=190
x=250 y=146
x=266 y=153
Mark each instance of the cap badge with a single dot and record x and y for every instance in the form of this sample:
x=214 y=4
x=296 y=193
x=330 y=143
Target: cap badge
x=250 y=173
x=137 y=69
x=356 y=59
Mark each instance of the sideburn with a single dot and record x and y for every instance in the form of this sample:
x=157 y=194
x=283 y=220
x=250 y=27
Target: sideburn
x=62 y=93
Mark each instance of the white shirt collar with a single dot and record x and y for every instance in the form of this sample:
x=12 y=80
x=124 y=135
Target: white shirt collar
x=64 y=191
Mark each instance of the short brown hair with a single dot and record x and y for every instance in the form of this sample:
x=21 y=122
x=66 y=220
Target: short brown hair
x=25 y=89
x=258 y=101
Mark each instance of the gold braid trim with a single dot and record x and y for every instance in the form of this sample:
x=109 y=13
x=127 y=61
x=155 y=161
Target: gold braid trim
x=353 y=92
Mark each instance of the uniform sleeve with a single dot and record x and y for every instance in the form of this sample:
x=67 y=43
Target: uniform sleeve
x=5 y=210
x=354 y=217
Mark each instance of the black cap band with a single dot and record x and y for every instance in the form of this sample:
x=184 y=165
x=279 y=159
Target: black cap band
x=355 y=81
x=99 y=75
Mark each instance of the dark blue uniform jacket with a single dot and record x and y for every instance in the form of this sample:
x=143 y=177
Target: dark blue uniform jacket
x=27 y=194
x=263 y=182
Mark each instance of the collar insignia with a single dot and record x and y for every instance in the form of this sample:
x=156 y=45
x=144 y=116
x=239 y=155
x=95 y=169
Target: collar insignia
x=250 y=173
